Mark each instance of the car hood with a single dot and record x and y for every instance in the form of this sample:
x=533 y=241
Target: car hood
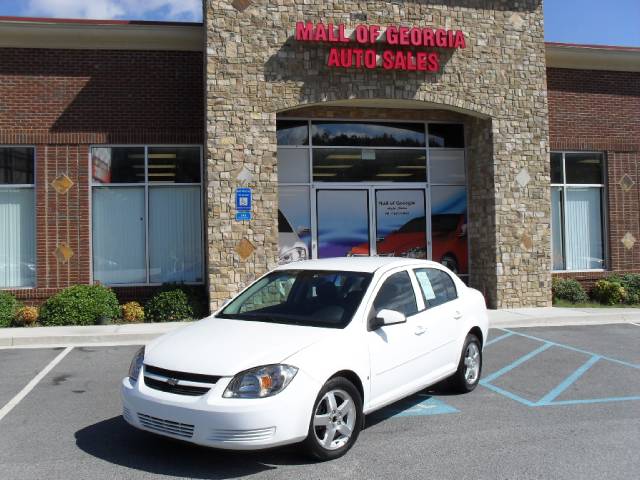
x=224 y=347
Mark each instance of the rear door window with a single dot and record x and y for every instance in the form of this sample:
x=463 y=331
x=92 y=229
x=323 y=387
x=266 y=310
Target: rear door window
x=436 y=285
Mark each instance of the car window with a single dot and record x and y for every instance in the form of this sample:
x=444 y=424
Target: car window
x=301 y=297
x=397 y=294
x=437 y=286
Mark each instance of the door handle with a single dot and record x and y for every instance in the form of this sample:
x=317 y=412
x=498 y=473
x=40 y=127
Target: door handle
x=457 y=315
x=420 y=330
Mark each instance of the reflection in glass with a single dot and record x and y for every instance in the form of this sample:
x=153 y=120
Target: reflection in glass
x=292 y=132
x=117 y=164
x=585 y=168
x=17 y=237
x=449 y=227
x=447 y=166
x=175 y=235
x=294 y=224
x=16 y=165
x=343 y=222
x=118 y=235
x=401 y=229
x=446 y=135
x=359 y=165
x=174 y=164
x=293 y=165
x=358 y=134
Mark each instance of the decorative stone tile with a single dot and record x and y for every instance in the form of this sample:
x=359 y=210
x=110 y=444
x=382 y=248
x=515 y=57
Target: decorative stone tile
x=626 y=183
x=245 y=176
x=63 y=253
x=526 y=242
x=523 y=178
x=62 y=184
x=628 y=240
x=241 y=5
x=245 y=248
x=516 y=20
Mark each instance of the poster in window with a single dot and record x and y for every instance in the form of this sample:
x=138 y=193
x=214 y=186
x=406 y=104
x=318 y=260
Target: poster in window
x=343 y=223
x=449 y=227
x=294 y=224
x=401 y=229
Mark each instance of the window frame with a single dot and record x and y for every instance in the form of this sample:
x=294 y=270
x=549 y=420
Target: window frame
x=313 y=185
x=146 y=184
x=604 y=209
x=428 y=307
x=8 y=186
x=380 y=283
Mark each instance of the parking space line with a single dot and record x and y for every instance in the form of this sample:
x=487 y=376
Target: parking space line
x=592 y=400
x=516 y=363
x=567 y=382
x=636 y=324
x=509 y=394
x=569 y=347
x=497 y=339
x=4 y=411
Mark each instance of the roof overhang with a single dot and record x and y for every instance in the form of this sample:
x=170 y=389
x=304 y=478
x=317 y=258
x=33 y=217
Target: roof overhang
x=100 y=35
x=593 y=57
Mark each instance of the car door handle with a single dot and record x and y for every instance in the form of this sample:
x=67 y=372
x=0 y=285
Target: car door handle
x=457 y=315
x=420 y=330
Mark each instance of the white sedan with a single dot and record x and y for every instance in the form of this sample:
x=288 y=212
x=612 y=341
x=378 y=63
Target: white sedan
x=306 y=351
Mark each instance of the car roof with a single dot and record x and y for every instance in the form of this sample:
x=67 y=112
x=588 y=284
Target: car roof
x=357 y=264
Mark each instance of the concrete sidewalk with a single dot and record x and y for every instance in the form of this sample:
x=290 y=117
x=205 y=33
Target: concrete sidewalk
x=145 y=332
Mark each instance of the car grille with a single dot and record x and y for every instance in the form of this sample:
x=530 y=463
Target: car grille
x=220 y=435
x=166 y=426
x=177 y=389
x=189 y=377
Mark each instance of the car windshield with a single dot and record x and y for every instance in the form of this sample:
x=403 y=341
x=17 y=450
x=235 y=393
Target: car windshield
x=301 y=297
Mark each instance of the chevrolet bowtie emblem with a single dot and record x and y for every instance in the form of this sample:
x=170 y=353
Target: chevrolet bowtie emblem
x=172 y=382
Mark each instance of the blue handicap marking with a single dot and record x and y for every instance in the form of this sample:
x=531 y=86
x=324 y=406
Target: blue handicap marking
x=549 y=399
x=416 y=405
x=243 y=216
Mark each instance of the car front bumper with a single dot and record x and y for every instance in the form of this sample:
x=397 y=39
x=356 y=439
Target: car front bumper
x=228 y=423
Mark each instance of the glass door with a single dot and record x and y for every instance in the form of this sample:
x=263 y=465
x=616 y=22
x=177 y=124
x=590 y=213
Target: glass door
x=401 y=223
x=342 y=223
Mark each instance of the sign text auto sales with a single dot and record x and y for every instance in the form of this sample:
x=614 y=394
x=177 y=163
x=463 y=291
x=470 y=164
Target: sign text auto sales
x=404 y=48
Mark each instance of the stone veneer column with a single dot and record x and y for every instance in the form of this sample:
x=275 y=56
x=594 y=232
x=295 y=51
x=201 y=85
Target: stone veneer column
x=254 y=70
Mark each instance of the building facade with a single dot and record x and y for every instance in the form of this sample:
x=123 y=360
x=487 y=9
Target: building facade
x=137 y=154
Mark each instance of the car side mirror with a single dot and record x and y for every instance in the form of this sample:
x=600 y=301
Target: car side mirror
x=387 y=317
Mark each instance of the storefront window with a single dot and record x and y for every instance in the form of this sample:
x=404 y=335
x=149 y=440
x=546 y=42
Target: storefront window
x=147 y=215
x=577 y=197
x=17 y=218
x=354 y=134
x=446 y=135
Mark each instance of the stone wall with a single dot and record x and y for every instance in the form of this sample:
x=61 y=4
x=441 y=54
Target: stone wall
x=254 y=69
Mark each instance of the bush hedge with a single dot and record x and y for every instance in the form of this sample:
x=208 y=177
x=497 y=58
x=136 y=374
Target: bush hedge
x=169 y=306
x=26 y=316
x=569 y=289
x=132 y=312
x=80 y=305
x=8 y=307
x=608 y=292
x=196 y=296
x=631 y=283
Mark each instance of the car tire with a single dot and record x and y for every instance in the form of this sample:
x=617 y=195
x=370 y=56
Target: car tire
x=327 y=437
x=467 y=376
x=450 y=261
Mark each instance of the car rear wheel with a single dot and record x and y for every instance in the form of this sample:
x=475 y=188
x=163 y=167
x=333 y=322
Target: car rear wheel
x=336 y=420
x=467 y=376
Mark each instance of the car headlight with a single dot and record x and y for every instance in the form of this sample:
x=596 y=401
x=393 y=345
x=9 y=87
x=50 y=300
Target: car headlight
x=136 y=365
x=260 y=382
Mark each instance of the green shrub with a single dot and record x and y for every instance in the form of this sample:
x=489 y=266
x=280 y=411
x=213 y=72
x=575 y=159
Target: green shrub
x=168 y=306
x=631 y=283
x=568 y=289
x=8 y=308
x=196 y=295
x=608 y=293
x=80 y=305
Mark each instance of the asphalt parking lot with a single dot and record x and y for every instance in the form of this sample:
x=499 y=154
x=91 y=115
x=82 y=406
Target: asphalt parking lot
x=555 y=402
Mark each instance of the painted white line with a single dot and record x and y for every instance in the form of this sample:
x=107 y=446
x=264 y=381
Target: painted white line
x=636 y=324
x=31 y=385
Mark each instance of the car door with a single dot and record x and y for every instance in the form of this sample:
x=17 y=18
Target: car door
x=441 y=319
x=394 y=350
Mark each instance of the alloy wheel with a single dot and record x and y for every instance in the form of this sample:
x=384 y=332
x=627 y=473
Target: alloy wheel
x=334 y=419
x=472 y=363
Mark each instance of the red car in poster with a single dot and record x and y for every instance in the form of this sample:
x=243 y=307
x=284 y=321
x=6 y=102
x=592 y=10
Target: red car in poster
x=449 y=237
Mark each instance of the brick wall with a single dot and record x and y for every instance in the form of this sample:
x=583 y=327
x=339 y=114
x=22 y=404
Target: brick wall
x=600 y=111
x=61 y=102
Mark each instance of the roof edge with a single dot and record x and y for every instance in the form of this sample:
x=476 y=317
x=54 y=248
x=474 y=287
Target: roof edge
x=592 y=57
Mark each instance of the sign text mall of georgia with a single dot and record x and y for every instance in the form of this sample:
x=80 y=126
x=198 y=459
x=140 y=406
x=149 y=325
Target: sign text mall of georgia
x=368 y=36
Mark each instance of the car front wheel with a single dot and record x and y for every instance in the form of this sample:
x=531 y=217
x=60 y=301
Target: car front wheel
x=467 y=376
x=336 y=420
